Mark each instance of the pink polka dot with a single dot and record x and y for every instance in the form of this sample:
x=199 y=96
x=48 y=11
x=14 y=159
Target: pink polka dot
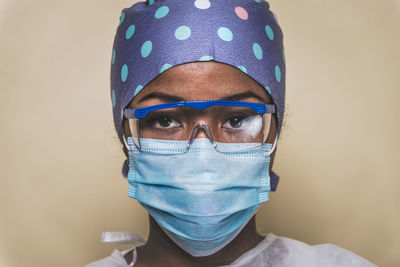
x=241 y=13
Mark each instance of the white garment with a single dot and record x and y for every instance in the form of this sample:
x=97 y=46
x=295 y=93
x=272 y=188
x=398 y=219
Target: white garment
x=272 y=251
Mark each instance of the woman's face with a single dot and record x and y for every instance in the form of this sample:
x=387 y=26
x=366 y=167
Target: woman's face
x=203 y=81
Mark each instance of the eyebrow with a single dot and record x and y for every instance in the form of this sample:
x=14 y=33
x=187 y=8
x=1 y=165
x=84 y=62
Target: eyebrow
x=243 y=96
x=161 y=96
x=169 y=98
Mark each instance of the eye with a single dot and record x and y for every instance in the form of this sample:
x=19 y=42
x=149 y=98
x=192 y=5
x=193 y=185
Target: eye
x=250 y=124
x=164 y=122
x=235 y=122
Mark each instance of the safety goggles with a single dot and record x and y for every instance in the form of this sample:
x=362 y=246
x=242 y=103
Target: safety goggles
x=221 y=121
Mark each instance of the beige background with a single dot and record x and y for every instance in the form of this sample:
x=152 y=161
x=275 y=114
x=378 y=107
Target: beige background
x=60 y=181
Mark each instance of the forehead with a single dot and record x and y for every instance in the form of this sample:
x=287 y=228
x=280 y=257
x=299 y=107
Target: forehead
x=203 y=81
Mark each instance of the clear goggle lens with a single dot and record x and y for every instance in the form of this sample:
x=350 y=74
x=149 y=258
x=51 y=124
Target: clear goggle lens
x=219 y=123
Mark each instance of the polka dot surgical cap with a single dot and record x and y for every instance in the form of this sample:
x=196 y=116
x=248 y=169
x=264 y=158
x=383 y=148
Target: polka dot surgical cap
x=156 y=35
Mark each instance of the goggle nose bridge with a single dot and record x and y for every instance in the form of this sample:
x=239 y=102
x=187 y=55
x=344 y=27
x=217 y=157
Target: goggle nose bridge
x=204 y=126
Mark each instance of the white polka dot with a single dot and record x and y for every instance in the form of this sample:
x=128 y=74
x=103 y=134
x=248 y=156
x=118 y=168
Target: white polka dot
x=202 y=4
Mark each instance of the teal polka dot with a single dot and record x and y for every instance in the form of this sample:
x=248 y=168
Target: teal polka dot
x=183 y=32
x=150 y=2
x=243 y=68
x=270 y=32
x=206 y=58
x=146 y=48
x=257 y=50
x=138 y=88
x=258 y=1
x=283 y=56
x=124 y=72
x=161 y=12
x=268 y=89
x=278 y=74
x=122 y=18
x=165 y=67
x=113 y=57
x=113 y=98
x=225 y=34
x=129 y=33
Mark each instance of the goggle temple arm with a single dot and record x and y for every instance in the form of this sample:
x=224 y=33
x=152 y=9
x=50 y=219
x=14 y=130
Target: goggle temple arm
x=273 y=145
x=125 y=142
x=275 y=140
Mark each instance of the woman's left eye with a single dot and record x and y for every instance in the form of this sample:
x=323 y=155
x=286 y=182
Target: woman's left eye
x=235 y=122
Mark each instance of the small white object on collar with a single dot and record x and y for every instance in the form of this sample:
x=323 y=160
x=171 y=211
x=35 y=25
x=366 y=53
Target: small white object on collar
x=121 y=238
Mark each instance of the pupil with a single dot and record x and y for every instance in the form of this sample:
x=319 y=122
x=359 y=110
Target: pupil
x=235 y=122
x=165 y=121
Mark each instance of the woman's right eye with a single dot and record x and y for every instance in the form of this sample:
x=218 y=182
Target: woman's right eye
x=164 y=122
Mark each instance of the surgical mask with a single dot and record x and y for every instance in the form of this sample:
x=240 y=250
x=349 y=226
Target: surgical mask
x=202 y=198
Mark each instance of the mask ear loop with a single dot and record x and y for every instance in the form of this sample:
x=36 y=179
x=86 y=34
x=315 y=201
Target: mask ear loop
x=125 y=142
x=126 y=165
x=127 y=148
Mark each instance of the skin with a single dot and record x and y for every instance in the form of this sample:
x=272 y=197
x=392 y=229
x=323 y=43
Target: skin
x=198 y=81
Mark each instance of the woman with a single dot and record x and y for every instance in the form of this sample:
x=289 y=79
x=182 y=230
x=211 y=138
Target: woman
x=198 y=99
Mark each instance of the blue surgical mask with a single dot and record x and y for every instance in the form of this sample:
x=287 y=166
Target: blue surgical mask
x=203 y=198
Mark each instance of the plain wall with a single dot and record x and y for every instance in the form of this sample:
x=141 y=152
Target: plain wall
x=60 y=181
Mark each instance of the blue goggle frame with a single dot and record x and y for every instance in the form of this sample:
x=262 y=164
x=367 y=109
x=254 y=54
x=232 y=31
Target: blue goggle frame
x=199 y=104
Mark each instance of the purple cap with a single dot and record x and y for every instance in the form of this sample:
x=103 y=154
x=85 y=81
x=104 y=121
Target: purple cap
x=156 y=35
